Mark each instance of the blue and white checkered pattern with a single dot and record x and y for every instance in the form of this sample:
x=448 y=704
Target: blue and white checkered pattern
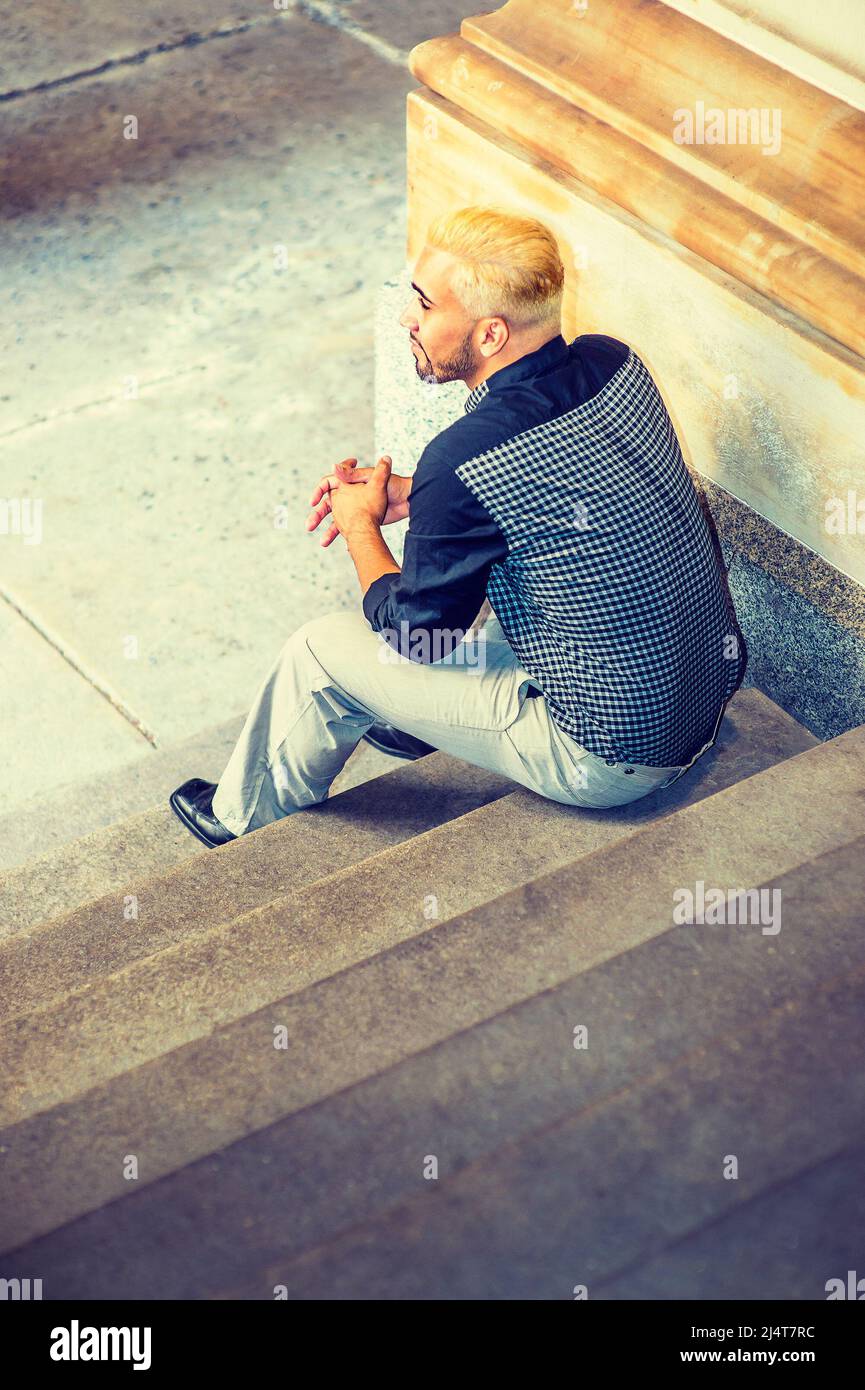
x=611 y=593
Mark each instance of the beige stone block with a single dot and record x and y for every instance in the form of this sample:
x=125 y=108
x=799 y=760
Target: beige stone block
x=765 y=404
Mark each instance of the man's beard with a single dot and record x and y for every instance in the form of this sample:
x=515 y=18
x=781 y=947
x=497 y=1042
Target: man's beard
x=457 y=367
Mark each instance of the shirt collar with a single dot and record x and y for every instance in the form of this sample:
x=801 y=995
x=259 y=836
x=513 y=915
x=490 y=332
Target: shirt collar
x=543 y=359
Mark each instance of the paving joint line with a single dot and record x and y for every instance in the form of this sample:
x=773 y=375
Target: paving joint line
x=80 y=667
x=322 y=11
x=97 y=401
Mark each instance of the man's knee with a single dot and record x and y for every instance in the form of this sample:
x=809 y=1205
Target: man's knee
x=329 y=633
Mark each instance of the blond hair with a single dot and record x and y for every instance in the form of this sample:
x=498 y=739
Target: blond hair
x=509 y=265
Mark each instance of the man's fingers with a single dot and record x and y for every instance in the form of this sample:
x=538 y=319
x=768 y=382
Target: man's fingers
x=318 y=514
x=324 y=487
x=330 y=535
x=333 y=479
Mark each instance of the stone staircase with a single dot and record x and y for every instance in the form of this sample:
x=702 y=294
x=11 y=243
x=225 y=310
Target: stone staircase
x=337 y=1057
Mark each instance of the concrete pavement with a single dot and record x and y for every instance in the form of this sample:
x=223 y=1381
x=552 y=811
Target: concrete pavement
x=192 y=348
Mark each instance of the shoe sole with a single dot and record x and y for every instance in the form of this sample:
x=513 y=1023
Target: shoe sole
x=190 y=825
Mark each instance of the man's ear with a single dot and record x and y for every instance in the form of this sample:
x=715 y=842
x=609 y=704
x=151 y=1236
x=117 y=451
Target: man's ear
x=495 y=329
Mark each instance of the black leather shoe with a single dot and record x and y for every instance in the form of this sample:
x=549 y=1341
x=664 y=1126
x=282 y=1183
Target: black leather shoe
x=387 y=739
x=191 y=803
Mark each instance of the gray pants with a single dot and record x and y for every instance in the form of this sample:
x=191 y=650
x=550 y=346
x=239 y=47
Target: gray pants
x=335 y=677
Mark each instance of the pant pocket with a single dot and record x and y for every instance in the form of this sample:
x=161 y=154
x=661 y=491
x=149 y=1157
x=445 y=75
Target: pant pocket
x=642 y=775
x=597 y=783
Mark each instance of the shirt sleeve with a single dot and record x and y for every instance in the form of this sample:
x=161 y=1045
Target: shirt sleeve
x=451 y=544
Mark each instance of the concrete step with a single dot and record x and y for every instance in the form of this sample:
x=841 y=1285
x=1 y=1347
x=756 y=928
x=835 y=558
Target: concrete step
x=513 y=837
x=113 y=969
x=601 y=1166
x=788 y=1241
x=151 y=842
x=117 y=859
x=748 y=1072
x=70 y=812
x=76 y=809
x=239 y=1076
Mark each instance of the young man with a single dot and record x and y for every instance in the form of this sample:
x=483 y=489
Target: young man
x=560 y=496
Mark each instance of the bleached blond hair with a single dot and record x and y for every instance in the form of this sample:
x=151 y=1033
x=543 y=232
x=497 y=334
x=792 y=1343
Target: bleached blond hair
x=509 y=265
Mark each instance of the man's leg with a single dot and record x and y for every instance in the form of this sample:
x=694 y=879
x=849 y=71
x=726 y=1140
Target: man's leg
x=335 y=677
x=388 y=739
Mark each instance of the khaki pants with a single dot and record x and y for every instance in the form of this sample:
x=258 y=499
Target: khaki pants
x=335 y=677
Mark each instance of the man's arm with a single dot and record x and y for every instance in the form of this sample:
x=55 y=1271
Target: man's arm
x=359 y=511
x=451 y=544
x=371 y=555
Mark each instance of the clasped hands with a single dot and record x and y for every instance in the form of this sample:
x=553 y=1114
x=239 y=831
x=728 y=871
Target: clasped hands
x=383 y=498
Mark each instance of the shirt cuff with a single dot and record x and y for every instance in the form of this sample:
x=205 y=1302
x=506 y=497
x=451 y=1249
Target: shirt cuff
x=377 y=590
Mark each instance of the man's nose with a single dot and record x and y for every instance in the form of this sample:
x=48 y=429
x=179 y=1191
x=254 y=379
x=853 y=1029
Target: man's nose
x=407 y=319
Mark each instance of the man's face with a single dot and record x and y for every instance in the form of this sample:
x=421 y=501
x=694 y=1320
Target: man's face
x=439 y=329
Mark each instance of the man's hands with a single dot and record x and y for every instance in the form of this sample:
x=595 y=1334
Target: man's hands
x=384 y=497
x=359 y=513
